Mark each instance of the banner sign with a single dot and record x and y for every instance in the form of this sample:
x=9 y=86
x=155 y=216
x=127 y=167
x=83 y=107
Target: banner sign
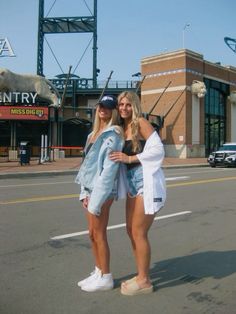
x=23 y=113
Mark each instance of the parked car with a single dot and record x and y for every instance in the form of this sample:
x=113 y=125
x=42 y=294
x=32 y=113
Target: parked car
x=224 y=156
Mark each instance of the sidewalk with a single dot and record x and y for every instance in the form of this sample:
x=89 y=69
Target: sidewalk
x=71 y=165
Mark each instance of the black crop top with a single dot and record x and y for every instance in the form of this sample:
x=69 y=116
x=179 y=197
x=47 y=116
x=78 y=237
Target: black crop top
x=85 y=152
x=88 y=148
x=128 y=151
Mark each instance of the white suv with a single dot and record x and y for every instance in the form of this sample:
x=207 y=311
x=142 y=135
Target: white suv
x=224 y=156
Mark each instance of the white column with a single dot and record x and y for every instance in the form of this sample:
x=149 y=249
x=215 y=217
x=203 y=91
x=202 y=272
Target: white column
x=45 y=147
x=195 y=120
x=42 y=148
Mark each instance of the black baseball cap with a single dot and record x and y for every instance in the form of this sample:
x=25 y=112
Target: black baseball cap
x=109 y=102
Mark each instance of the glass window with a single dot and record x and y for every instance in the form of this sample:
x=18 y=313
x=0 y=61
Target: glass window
x=215 y=114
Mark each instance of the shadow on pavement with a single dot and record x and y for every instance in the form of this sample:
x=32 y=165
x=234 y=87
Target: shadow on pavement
x=192 y=268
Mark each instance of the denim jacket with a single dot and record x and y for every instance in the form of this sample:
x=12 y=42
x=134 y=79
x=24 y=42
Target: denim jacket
x=98 y=174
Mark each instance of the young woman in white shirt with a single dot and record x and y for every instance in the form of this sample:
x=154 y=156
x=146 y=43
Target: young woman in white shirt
x=142 y=154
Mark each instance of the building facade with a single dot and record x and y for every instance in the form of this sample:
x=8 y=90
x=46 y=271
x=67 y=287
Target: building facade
x=195 y=121
x=192 y=100
x=25 y=117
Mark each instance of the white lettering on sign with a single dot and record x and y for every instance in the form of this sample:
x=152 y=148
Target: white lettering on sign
x=5 y=48
x=16 y=97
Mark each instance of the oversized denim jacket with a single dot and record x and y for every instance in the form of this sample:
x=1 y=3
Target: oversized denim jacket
x=98 y=174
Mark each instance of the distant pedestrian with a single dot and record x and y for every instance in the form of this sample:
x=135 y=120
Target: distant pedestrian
x=98 y=179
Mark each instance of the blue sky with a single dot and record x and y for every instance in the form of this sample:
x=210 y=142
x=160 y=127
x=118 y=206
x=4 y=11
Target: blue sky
x=127 y=32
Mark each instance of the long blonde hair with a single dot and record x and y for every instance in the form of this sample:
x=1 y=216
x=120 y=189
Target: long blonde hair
x=136 y=114
x=97 y=121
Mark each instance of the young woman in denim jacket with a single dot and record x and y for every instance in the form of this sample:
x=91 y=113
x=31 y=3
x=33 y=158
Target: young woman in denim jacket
x=97 y=177
x=143 y=154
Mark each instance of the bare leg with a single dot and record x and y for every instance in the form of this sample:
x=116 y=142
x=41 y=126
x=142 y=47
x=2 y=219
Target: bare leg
x=138 y=225
x=93 y=243
x=98 y=236
x=130 y=204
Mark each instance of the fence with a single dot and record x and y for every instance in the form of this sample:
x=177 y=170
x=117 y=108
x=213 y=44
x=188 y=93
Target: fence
x=52 y=153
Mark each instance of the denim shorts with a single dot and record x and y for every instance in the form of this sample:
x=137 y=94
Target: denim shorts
x=135 y=181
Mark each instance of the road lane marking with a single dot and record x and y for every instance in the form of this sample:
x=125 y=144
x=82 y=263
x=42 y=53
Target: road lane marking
x=34 y=184
x=71 y=182
x=177 y=178
x=40 y=199
x=75 y=234
x=68 y=196
x=201 y=181
x=200 y=171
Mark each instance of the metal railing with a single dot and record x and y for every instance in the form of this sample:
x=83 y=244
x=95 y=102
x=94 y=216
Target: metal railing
x=76 y=85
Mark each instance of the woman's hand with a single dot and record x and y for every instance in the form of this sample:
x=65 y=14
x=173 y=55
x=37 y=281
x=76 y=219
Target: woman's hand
x=119 y=157
x=85 y=202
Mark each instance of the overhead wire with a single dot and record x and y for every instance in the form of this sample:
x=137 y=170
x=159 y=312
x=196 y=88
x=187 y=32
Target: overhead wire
x=52 y=49
x=88 y=43
x=51 y=8
x=54 y=55
x=87 y=7
x=82 y=56
x=47 y=40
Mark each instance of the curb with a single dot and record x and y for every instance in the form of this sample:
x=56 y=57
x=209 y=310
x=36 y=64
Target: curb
x=36 y=174
x=185 y=166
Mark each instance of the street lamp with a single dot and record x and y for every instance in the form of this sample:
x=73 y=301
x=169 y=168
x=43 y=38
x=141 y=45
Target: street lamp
x=136 y=74
x=185 y=26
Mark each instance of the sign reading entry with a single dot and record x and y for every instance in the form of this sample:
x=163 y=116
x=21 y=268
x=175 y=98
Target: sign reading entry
x=23 y=113
x=16 y=97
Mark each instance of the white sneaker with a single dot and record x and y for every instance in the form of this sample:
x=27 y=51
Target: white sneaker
x=90 y=278
x=100 y=283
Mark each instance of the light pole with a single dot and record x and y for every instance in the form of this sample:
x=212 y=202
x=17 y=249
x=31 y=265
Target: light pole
x=185 y=26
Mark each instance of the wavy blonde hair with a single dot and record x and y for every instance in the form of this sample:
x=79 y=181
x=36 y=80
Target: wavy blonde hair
x=136 y=114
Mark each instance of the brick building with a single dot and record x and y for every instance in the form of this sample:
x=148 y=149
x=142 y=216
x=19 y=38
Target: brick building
x=193 y=125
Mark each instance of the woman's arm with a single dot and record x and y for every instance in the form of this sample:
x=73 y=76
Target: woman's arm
x=105 y=181
x=145 y=128
x=145 y=131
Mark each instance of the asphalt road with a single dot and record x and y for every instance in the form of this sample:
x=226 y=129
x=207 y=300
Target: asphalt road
x=44 y=248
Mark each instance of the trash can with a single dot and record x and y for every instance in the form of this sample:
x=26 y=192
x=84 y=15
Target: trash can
x=24 y=153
